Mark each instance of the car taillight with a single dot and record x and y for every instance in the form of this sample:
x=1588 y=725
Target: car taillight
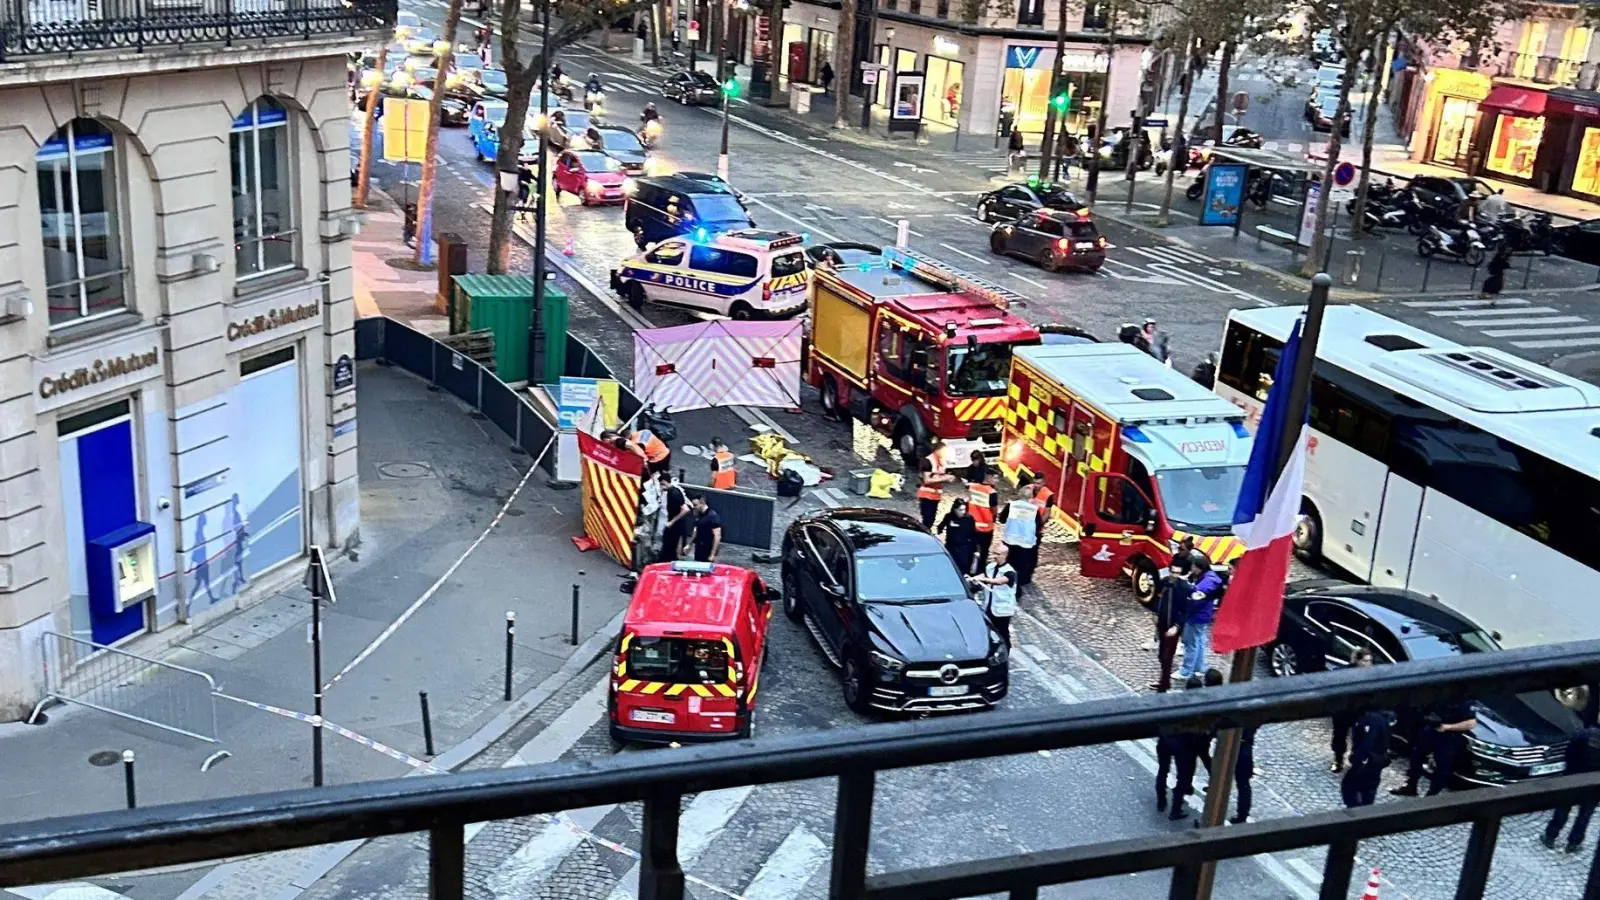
x=766 y=291
x=1063 y=245
x=1100 y=241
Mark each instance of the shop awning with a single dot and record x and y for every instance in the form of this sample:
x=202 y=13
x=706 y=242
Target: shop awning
x=1522 y=101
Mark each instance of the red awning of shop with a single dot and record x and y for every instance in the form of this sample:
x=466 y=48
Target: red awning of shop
x=1520 y=100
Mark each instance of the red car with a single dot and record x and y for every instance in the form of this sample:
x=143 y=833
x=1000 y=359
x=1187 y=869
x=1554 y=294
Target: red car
x=590 y=174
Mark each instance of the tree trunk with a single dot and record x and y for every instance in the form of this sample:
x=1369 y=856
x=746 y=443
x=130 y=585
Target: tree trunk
x=1180 y=144
x=1319 y=240
x=1047 y=146
x=1370 y=123
x=844 y=51
x=517 y=102
x=775 y=47
x=1223 y=67
x=364 y=175
x=658 y=15
x=424 y=250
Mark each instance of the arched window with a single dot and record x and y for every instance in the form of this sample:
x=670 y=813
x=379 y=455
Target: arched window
x=263 y=198
x=83 y=260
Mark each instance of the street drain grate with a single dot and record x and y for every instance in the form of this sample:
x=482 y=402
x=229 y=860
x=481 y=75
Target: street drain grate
x=404 y=470
x=104 y=758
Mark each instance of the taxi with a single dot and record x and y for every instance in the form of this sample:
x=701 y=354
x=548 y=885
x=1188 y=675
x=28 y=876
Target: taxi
x=688 y=660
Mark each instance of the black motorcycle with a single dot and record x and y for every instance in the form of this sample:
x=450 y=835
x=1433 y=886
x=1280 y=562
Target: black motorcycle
x=1426 y=214
x=1198 y=186
x=1244 y=137
x=1529 y=234
x=1461 y=242
x=1377 y=194
x=658 y=423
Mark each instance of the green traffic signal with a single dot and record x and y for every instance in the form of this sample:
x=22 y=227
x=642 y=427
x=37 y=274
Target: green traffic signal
x=730 y=88
x=1060 y=101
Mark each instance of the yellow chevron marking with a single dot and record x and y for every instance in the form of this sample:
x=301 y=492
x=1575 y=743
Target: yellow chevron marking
x=675 y=690
x=653 y=687
x=701 y=689
x=630 y=684
x=724 y=689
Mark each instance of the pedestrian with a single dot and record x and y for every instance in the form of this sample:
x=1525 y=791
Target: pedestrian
x=1442 y=734
x=724 y=477
x=1343 y=721
x=1018 y=158
x=826 y=75
x=524 y=189
x=1244 y=769
x=981 y=502
x=977 y=464
x=931 y=479
x=1024 y=521
x=1066 y=152
x=960 y=535
x=1583 y=755
x=1494 y=207
x=678 y=514
x=1198 y=614
x=1369 y=756
x=707 y=531
x=999 y=580
x=1172 y=598
x=1186 y=747
x=1496 y=282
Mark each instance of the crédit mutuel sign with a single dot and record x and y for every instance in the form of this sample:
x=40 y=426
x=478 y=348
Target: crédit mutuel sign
x=272 y=319
x=96 y=372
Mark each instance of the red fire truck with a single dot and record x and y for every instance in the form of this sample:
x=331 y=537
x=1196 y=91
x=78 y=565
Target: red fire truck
x=916 y=349
x=1139 y=456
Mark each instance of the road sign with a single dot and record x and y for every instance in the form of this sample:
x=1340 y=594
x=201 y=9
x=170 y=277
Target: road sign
x=869 y=76
x=1344 y=174
x=1155 y=122
x=405 y=129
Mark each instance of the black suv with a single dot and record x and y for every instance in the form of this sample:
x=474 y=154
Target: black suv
x=888 y=607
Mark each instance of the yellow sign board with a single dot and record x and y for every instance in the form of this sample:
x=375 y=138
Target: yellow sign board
x=405 y=129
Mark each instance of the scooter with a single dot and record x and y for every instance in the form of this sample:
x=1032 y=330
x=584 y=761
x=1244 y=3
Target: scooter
x=658 y=423
x=594 y=100
x=1377 y=194
x=1530 y=234
x=1463 y=244
x=1198 y=186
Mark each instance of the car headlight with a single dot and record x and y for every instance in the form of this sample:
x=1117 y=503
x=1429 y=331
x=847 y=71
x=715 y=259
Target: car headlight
x=999 y=655
x=629 y=185
x=1484 y=748
x=593 y=186
x=886 y=662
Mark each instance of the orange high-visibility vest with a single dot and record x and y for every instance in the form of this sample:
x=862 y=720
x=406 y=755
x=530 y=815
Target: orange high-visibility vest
x=1042 y=496
x=979 y=504
x=723 y=475
x=928 y=490
x=655 y=449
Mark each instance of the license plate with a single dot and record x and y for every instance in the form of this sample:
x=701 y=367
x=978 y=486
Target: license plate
x=654 y=716
x=1086 y=245
x=947 y=690
x=1546 y=768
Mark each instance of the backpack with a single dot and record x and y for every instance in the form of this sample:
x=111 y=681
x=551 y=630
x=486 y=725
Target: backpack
x=789 y=483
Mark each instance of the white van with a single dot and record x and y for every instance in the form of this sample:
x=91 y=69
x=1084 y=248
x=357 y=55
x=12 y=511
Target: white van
x=746 y=274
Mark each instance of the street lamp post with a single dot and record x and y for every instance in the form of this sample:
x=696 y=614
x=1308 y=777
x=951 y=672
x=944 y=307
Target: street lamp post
x=536 y=334
x=729 y=88
x=867 y=90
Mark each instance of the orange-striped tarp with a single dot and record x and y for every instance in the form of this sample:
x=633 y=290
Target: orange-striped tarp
x=612 y=480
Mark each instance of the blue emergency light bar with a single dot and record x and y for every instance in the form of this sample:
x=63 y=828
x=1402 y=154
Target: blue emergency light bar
x=694 y=568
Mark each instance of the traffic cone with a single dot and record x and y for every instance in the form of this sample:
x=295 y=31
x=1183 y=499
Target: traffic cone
x=569 y=249
x=1371 y=893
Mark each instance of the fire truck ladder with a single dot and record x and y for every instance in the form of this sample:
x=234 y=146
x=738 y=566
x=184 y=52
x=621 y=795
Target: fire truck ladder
x=949 y=277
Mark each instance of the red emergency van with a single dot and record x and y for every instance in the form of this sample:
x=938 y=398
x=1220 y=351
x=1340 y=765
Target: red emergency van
x=688 y=661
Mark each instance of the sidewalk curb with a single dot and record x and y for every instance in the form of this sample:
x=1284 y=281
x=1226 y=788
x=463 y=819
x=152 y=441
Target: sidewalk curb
x=586 y=653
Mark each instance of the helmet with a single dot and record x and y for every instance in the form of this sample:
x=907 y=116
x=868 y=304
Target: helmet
x=649 y=107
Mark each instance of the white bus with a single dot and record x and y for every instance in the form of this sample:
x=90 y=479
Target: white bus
x=1459 y=472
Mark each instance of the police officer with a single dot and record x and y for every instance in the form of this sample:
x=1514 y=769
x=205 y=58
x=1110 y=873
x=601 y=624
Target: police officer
x=1171 y=600
x=1342 y=721
x=1583 y=755
x=707 y=531
x=1442 y=735
x=1186 y=748
x=678 y=517
x=1369 y=756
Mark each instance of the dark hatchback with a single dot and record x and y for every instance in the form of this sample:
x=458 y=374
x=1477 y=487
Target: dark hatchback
x=691 y=88
x=886 y=604
x=1054 y=239
x=1012 y=200
x=1519 y=736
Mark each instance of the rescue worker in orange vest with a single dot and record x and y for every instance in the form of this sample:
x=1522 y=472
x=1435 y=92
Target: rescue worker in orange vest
x=930 y=485
x=723 y=474
x=981 y=502
x=657 y=455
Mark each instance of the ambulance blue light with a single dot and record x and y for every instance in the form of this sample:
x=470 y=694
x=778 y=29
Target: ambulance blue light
x=1239 y=430
x=1134 y=434
x=693 y=568
x=700 y=234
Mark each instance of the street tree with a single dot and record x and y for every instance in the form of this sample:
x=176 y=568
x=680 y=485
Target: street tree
x=1358 y=27
x=843 y=50
x=445 y=55
x=570 y=21
x=373 y=83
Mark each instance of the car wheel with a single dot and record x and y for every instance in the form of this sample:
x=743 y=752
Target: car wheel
x=741 y=312
x=855 y=685
x=1048 y=261
x=635 y=295
x=1145 y=579
x=1283 y=660
x=830 y=396
x=1308 y=535
x=997 y=244
x=984 y=214
x=791 y=597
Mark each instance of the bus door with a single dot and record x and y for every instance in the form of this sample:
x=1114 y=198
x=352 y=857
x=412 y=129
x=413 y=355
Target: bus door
x=1117 y=518
x=1398 y=521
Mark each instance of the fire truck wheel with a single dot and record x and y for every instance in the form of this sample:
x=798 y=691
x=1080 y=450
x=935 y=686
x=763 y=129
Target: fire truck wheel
x=791 y=597
x=905 y=441
x=855 y=684
x=1145 y=578
x=830 y=396
x=1308 y=534
x=636 y=295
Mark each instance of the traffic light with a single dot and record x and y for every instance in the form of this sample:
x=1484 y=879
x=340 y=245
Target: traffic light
x=730 y=88
x=1060 y=101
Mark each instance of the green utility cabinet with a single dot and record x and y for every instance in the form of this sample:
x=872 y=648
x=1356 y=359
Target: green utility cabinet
x=503 y=305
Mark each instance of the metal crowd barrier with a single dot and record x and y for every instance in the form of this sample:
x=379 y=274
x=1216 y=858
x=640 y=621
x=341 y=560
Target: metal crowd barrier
x=159 y=694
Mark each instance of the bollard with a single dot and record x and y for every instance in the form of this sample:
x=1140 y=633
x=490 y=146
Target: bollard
x=1382 y=258
x=511 y=631
x=1527 y=273
x=1427 y=270
x=1472 y=282
x=427 y=724
x=902 y=233
x=127 y=777
x=316 y=751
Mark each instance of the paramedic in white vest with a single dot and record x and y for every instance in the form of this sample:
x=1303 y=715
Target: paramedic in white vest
x=1000 y=592
x=1023 y=520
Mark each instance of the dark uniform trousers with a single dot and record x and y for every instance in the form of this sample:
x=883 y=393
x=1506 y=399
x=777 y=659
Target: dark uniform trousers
x=1444 y=747
x=929 y=507
x=1360 y=784
x=1342 y=723
x=1244 y=770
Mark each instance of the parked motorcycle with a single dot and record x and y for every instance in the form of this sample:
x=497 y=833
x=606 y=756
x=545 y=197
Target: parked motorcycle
x=1198 y=186
x=1529 y=234
x=1244 y=137
x=1461 y=242
x=659 y=422
x=1376 y=216
x=1377 y=194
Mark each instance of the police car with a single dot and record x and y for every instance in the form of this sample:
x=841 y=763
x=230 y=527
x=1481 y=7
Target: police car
x=744 y=274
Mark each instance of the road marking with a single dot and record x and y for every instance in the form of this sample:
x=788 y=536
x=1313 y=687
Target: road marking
x=804 y=225
x=1545 y=345
x=1043 y=287
x=966 y=254
x=702 y=821
x=968 y=220
x=1510 y=319
x=1462 y=304
x=1542 y=332
x=537 y=859
x=66 y=890
x=786 y=871
x=1464 y=313
x=1185 y=275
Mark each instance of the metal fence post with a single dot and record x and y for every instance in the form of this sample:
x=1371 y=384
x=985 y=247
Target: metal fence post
x=427 y=724
x=316 y=751
x=1427 y=270
x=1527 y=273
x=852 y=829
x=1472 y=279
x=1382 y=258
x=660 y=875
x=574 y=615
x=127 y=777
x=511 y=631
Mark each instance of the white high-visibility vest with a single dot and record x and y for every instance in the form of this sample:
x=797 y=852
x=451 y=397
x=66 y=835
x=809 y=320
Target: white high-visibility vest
x=1002 y=597
x=1022 y=524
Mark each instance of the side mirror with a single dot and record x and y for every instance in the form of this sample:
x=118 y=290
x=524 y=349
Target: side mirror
x=832 y=590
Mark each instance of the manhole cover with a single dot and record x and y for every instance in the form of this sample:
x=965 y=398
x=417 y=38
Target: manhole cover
x=105 y=757
x=404 y=470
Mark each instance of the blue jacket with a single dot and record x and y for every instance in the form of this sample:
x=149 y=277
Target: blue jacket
x=1202 y=609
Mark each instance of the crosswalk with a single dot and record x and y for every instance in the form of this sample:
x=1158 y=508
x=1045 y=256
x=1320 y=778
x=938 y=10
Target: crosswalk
x=1517 y=321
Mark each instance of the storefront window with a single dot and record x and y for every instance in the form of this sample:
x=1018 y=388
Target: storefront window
x=1458 y=122
x=1586 y=176
x=821 y=52
x=1515 y=144
x=941 y=98
x=792 y=34
x=881 y=96
x=1029 y=89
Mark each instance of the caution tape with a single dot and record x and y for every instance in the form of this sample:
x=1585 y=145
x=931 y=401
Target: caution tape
x=633 y=854
x=343 y=732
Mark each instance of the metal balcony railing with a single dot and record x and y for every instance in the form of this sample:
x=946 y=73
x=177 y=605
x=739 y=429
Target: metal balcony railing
x=79 y=847
x=1549 y=70
x=51 y=27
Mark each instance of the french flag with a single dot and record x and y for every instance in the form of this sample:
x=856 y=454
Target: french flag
x=1264 y=520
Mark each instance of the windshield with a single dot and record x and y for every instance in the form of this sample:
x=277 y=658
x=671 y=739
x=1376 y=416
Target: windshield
x=701 y=79
x=1201 y=497
x=621 y=139
x=1429 y=642
x=718 y=208
x=493 y=77
x=788 y=264
x=979 y=371
x=599 y=162
x=902 y=579
x=677 y=660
